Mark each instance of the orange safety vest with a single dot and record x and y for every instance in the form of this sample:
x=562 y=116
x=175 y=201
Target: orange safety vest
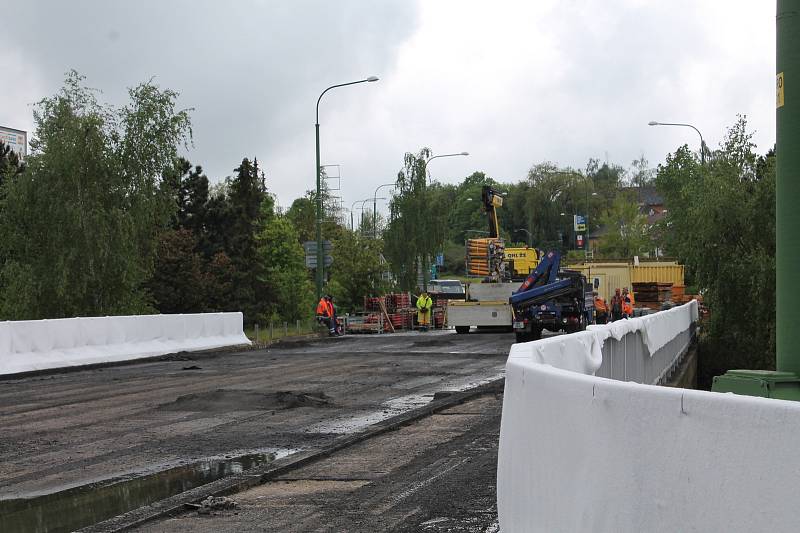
x=600 y=305
x=324 y=308
x=627 y=307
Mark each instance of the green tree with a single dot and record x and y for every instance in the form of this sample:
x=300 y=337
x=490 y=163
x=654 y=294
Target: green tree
x=417 y=223
x=721 y=223
x=10 y=165
x=248 y=207
x=285 y=275
x=179 y=278
x=356 y=270
x=302 y=216
x=627 y=232
x=79 y=228
x=641 y=174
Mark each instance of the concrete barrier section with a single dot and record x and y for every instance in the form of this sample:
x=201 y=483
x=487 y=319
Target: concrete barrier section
x=44 y=344
x=584 y=453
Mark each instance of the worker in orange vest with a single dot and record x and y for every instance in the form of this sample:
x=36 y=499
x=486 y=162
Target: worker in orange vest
x=332 y=314
x=325 y=315
x=616 y=306
x=627 y=303
x=600 y=309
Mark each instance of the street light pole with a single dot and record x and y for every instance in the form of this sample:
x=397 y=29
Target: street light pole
x=320 y=252
x=362 y=202
x=425 y=167
x=352 y=210
x=702 y=142
x=375 y=208
x=425 y=176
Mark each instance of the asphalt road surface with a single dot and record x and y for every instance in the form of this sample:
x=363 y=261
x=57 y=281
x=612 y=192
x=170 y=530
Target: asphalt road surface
x=435 y=475
x=70 y=429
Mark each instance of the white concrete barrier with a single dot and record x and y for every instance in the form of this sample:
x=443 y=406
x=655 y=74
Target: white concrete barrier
x=43 y=344
x=583 y=453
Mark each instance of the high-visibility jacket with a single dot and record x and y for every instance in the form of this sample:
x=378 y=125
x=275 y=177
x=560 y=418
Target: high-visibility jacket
x=627 y=304
x=424 y=303
x=324 y=308
x=600 y=306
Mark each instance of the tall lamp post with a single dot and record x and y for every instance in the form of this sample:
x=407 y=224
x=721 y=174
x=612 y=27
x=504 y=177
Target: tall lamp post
x=320 y=252
x=702 y=142
x=362 y=202
x=425 y=173
x=443 y=155
x=375 y=208
x=352 y=210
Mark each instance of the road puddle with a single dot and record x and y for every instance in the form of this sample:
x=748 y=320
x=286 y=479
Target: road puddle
x=82 y=506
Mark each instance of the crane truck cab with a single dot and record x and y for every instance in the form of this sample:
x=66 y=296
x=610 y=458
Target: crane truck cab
x=551 y=299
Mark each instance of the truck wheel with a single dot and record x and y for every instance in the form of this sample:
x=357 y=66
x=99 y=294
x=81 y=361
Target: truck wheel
x=535 y=334
x=521 y=336
x=461 y=330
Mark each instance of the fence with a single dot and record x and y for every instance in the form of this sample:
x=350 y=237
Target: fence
x=263 y=334
x=579 y=452
x=629 y=359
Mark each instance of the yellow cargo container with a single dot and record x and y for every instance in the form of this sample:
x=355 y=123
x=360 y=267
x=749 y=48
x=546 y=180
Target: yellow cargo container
x=606 y=277
x=661 y=272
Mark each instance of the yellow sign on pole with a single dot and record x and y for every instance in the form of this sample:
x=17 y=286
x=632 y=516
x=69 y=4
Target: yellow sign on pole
x=779 y=88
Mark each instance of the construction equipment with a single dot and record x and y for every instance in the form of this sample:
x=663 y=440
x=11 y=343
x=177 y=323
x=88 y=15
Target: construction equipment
x=552 y=299
x=488 y=257
x=486 y=304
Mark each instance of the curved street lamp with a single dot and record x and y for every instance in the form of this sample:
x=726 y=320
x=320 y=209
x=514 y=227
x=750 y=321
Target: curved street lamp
x=425 y=167
x=425 y=175
x=362 y=202
x=702 y=142
x=320 y=254
x=375 y=209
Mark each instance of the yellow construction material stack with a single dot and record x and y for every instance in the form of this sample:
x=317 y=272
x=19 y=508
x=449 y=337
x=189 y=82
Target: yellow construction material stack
x=483 y=256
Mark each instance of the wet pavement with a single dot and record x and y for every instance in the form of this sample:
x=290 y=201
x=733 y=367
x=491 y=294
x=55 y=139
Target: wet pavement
x=435 y=475
x=112 y=425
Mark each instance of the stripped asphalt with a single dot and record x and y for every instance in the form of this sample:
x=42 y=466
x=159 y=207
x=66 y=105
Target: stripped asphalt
x=435 y=475
x=68 y=430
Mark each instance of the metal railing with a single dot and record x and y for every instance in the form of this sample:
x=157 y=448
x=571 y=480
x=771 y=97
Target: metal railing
x=628 y=359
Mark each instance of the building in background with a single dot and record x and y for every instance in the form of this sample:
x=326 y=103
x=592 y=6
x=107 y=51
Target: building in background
x=16 y=139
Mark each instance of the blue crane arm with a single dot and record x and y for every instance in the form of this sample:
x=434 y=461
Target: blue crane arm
x=546 y=272
x=541 y=294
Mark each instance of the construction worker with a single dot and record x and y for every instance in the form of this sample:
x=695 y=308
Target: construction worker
x=334 y=320
x=325 y=315
x=616 y=306
x=627 y=303
x=600 y=309
x=424 y=305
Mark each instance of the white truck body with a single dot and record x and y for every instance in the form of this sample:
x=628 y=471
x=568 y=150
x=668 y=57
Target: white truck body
x=487 y=306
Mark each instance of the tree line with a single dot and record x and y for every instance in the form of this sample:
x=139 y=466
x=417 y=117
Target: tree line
x=105 y=218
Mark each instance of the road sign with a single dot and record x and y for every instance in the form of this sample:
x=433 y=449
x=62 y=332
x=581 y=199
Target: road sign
x=579 y=222
x=311 y=261
x=310 y=247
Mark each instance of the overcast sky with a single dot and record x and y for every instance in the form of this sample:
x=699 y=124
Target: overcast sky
x=512 y=83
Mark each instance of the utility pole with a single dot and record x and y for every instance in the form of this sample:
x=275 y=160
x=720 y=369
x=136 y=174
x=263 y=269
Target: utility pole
x=787 y=186
x=784 y=383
